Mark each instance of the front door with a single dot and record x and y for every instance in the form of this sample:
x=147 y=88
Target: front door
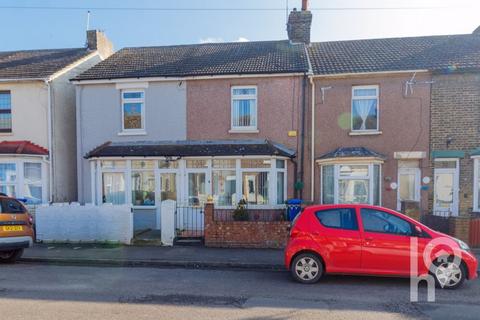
x=445 y=191
x=408 y=185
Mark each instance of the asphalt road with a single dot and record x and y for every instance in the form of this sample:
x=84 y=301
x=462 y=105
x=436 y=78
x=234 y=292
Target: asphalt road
x=33 y=292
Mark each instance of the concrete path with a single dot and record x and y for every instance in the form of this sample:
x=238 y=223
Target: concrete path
x=190 y=257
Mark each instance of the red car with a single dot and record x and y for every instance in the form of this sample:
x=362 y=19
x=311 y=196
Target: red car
x=370 y=240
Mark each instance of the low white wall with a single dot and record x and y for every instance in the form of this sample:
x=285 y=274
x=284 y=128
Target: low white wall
x=89 y=223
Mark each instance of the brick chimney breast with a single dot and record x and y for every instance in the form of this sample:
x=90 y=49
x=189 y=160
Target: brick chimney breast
x=97 y=40
x=299 y=24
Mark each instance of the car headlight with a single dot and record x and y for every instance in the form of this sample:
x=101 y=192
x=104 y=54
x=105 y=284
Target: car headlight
x=462 y=245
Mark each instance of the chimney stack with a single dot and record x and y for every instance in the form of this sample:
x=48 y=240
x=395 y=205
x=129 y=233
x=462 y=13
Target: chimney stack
x=97 y=40
x=299 y=24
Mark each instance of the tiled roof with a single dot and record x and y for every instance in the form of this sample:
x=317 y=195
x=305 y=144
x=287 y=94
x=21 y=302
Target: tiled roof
x=436 y=53
x=37 y=64
x=352 y=152
x=21 y=147
x=261 y=57
x=191 y=148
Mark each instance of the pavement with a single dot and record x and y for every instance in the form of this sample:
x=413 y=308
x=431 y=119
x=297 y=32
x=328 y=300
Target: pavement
x=155 y=256
x=40 y=291
x=198 y=257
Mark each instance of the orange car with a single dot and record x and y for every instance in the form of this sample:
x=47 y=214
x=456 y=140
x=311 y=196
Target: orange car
x=16 y=229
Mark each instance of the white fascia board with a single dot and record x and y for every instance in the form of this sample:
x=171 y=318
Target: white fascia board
x=167 y=79
x=73 y=65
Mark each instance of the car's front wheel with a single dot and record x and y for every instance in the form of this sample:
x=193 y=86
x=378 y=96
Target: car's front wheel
x=449 y=273
x=307 y=268
x=10 y=256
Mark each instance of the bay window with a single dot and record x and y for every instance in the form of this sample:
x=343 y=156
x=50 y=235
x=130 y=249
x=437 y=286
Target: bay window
x=262 y=182
x=244 y=108
x=24 y=179
x=351 y=183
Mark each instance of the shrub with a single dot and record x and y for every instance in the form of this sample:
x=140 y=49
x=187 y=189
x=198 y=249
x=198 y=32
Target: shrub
x=241 y=212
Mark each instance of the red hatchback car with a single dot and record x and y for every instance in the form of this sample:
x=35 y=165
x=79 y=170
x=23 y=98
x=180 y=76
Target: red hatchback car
x=370 y=240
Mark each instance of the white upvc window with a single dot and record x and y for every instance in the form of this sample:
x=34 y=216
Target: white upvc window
x=244 y=108
x=24 y=179
x=351 y=183
x=144 y=183
x=133 y=111
x=476 y=183
x=365 y=111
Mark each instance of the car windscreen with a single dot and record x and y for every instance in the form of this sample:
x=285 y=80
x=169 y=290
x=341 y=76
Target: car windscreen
x=11 y=206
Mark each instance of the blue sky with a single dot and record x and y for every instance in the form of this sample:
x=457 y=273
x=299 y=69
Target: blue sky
x=40 y=28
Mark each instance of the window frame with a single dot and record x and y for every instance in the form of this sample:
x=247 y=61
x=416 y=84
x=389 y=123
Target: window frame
x=143 y=129
x=233 y=97
x=377 y=97
x=9 y=111
x=370 y=177
x=20 y=175
x=476 y=187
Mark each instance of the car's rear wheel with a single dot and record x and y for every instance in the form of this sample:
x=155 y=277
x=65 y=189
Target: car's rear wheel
x=449 y=273
x=10 y=256
x=307 y=268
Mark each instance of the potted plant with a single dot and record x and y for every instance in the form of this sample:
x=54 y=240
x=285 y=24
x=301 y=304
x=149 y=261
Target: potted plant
x=241 y=213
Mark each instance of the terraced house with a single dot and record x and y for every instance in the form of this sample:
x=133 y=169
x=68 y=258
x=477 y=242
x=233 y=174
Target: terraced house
x=37 y=119
x=186 y=122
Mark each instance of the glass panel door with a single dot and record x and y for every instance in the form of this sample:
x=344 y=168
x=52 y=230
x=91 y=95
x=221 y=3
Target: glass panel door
x=197 y=189
x=445 y=191
x=168 y=186
x=408 y=185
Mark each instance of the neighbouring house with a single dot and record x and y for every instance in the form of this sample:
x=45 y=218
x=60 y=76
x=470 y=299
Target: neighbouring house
x=189 y=121
x=455 y=130
x=37 y=119
x=379 y=107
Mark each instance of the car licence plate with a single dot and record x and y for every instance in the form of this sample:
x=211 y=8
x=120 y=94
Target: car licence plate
x=12 y=228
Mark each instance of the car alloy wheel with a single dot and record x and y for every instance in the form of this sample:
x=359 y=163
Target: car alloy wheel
x=307 y=268
x=449 y=274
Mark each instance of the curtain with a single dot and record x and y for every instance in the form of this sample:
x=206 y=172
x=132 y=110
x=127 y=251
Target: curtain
x=362 y=109
x=113 y=188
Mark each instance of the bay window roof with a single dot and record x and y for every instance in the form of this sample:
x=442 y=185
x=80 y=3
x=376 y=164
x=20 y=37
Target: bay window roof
x=352 y=152
x=191 y=148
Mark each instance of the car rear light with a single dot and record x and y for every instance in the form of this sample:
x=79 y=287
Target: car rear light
x=30 y=219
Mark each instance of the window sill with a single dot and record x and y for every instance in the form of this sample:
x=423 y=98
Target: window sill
x=243 y=131
x=144 y=207
x=133 y=133
x=6 y=133
x=364 y=133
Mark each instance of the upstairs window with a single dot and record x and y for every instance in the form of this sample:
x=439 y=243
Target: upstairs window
x=244 y=108
x=365 y=108
x=5 y=111
x=133 y=111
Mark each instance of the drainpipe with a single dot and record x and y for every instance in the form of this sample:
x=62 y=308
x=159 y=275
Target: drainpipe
x=312 y=156
x=49 y=133
x=302 y=135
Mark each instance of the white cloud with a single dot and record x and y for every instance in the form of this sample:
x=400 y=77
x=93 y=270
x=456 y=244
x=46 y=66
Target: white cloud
x=210 y=40
x=242 y=39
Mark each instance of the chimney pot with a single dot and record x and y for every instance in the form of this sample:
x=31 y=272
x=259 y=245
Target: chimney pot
x=304 y=5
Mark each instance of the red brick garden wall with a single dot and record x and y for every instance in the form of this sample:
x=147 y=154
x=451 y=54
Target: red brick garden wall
x=244 y=234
